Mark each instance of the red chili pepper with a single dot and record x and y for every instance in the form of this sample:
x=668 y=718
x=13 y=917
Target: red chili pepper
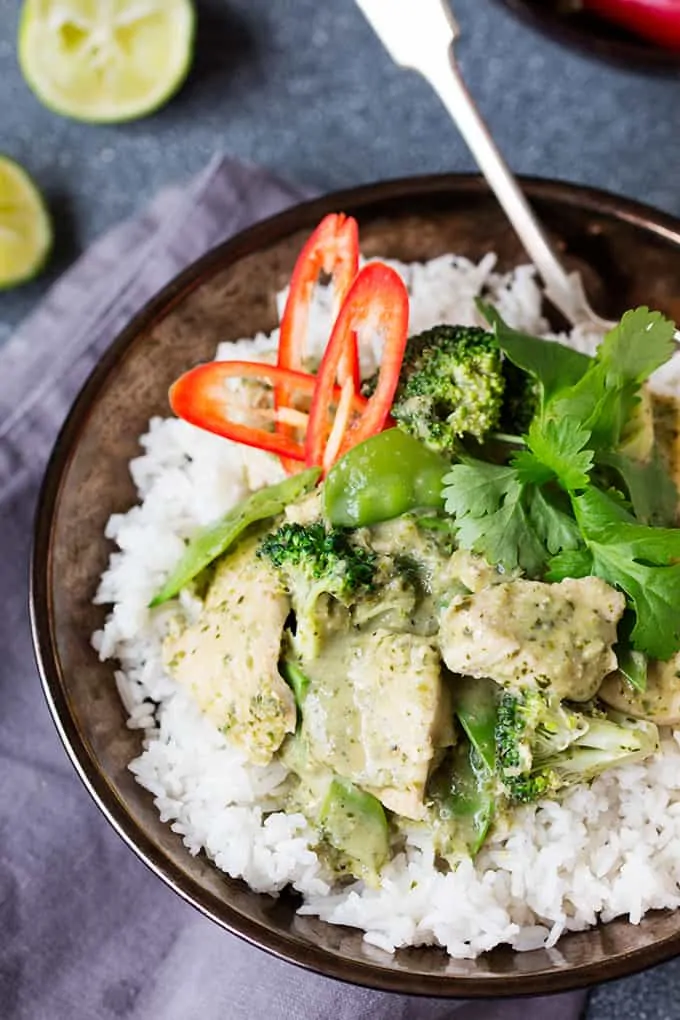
x=201 y=397
x=333 y=249
x=656 y=20
x=376 y=302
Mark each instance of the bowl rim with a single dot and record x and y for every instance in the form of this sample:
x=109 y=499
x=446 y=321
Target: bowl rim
x=315 y=959
x=641 y=57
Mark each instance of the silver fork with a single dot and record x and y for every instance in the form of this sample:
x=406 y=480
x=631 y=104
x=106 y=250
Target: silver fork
x=420 y=34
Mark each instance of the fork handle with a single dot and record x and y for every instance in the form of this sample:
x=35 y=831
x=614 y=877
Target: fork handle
x=564 y=290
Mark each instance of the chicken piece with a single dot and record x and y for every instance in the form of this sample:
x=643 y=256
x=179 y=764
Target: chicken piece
x=376 y=712
x=525 y=632
x=475 y=573
x=228 y=659
x=401 y=702
x=659 y=703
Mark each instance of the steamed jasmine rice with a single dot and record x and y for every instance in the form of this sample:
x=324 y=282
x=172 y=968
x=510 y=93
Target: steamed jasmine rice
x=604 y=850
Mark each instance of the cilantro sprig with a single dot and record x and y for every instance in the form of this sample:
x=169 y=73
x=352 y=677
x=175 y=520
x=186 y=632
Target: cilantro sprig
x=512 y=515
x=604 y=398
x=643 y=562
x=557 y=449
x=652 y=492
x=550 y=510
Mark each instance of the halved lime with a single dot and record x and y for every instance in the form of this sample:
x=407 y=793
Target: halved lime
x=25 y=228
x=105 y=60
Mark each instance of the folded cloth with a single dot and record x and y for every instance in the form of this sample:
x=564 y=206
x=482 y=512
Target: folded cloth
x=86 y=931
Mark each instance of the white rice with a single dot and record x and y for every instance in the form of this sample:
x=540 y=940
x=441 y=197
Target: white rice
x=605 y=850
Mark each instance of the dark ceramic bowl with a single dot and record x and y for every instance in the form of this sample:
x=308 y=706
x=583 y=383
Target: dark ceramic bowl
x=630 y=255
x=594 y=36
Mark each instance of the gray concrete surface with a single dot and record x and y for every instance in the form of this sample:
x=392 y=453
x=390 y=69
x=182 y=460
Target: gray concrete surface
x=303 y=88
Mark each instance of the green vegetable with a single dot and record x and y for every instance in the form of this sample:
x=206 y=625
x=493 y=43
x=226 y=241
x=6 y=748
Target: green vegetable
x=353 y=823
x=553 y=365
x=297 y=680
x=384 y=477
x=216 y=539
x=641 y=342
x=515 y=515
x=612 y=740
x=512 y=523
x=463 y=798
x=313 y=563
x=633 y=665
x=642 y=561
x=603 y=400
x=556 y=453
x=543 y=746
x=451 y=385
x=475 y=703
x=600 y=393
x=531 y=725
x=441 y=526
x=652 y=491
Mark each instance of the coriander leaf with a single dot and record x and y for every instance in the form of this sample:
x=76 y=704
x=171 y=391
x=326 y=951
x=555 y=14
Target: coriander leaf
x=596 y=512
x=554 y=365
x=571 y=563
x=558 y=445
x=641 y=343
x=601 y=519
x=604 y=398
x=612 y=502
x=642 y=562
x=506 y=536
x=652 y=492
x=475 y=484
x=491 y=520
x=660 y=546
x=654 y=593
x=530 y=470
x=556 y=529
x=600 y=406
x=504 y=520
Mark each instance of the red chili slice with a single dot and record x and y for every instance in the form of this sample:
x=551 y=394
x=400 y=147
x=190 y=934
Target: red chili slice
x=376 y=302
x=333 y=249
x=201 y=398
x=657 y=20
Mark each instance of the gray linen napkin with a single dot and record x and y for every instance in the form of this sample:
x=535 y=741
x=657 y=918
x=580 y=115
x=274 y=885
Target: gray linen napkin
x=85 y=930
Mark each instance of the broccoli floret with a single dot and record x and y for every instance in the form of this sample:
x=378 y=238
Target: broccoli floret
x=543 y=745
x=327 y=559
x=451 y=385
x=316 y=563
x=531 y=723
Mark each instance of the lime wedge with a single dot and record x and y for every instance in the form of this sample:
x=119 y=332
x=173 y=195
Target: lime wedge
x=105 y=60
x=25 y=228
